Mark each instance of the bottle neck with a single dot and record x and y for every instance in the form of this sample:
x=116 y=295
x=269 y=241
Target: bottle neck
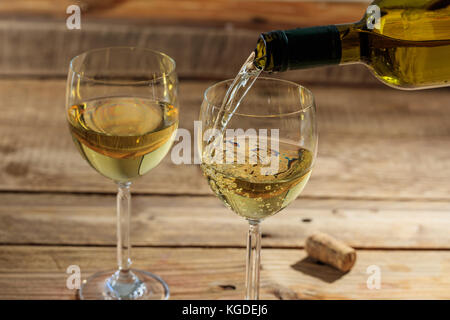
x=308 y=47
x=351 y=44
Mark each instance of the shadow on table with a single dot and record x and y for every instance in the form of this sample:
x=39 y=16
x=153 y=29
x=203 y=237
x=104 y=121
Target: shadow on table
x=317 y=269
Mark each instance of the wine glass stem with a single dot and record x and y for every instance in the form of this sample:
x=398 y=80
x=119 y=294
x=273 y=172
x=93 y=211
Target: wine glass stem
x=253 y=254
x=123 y=229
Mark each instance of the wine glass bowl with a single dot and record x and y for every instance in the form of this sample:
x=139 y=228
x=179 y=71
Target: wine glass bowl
x=264 y=158
x=122 y=112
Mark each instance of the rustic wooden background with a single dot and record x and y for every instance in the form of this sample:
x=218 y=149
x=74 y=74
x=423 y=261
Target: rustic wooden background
x=381 y=183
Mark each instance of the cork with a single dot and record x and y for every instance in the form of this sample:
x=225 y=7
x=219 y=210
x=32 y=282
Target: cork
x=323 y=247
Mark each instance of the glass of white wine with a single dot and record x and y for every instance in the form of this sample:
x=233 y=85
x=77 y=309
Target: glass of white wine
x=122 y=111
x=264 y=158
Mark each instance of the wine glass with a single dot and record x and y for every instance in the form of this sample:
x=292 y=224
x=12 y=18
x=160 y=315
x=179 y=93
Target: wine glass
x=264 y=158
x=122 y=111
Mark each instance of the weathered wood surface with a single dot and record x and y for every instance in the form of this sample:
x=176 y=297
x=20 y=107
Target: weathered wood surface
x=381 y=181
x=374 y=144
x=261 y=15
x=51 y=219
x=44 y=49
x=205 y=273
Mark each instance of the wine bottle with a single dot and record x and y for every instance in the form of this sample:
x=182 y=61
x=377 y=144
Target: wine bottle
x=405 y=43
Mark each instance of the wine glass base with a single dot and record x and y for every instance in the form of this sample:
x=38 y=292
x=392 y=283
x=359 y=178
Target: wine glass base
x=142 y=285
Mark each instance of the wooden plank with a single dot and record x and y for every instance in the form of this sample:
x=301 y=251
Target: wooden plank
x=40 y=273
x=374 y=143
x=45 y=48
x=261 y=15
x=204 y=221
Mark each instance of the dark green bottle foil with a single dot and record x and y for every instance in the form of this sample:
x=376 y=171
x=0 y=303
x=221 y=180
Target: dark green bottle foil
x=302 y=48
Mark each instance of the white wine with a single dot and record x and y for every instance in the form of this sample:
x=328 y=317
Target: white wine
x=410 y=49
x=248 y=191
x=123 y=137
x=243 y=82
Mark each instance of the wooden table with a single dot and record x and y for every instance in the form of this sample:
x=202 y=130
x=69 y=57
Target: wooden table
x=381 y=182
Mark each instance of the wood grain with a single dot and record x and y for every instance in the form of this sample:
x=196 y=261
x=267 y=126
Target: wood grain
x=380 y=181
x=374 y=144
x=44 y=49
x=260 y=15
x=203 y=221
x=201 y=273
